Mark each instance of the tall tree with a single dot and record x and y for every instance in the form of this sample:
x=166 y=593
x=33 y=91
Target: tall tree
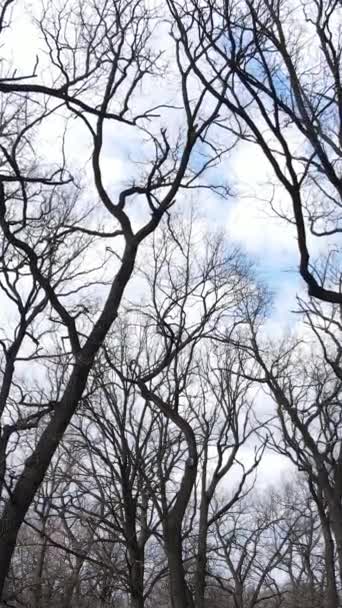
x=96 y=57
x=300 y=375
x=276 y=68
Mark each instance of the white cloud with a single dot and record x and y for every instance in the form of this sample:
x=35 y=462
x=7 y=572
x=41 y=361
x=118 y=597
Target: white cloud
x=251 y=220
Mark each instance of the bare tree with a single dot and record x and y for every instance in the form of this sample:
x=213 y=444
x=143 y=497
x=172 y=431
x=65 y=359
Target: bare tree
x=97 y=57
x=195 y=291
x=224 y=408
x=278 y=65
x=268 y=550
x=301 y=378
x=48 y=563
x=115 y=432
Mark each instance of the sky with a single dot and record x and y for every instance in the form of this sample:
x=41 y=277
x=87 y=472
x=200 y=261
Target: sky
x=245 y=217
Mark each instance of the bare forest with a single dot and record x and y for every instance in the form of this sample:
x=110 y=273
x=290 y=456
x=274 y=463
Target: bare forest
x=170 y=419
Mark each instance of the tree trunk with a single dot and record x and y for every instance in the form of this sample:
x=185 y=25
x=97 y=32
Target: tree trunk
x=336 y=526
x=179 y=592
x=36 y=466
x=136 y=557
x=201 y=559
x=71 y=584
x=332 y=600
x=38 y=579
x=238 y=595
